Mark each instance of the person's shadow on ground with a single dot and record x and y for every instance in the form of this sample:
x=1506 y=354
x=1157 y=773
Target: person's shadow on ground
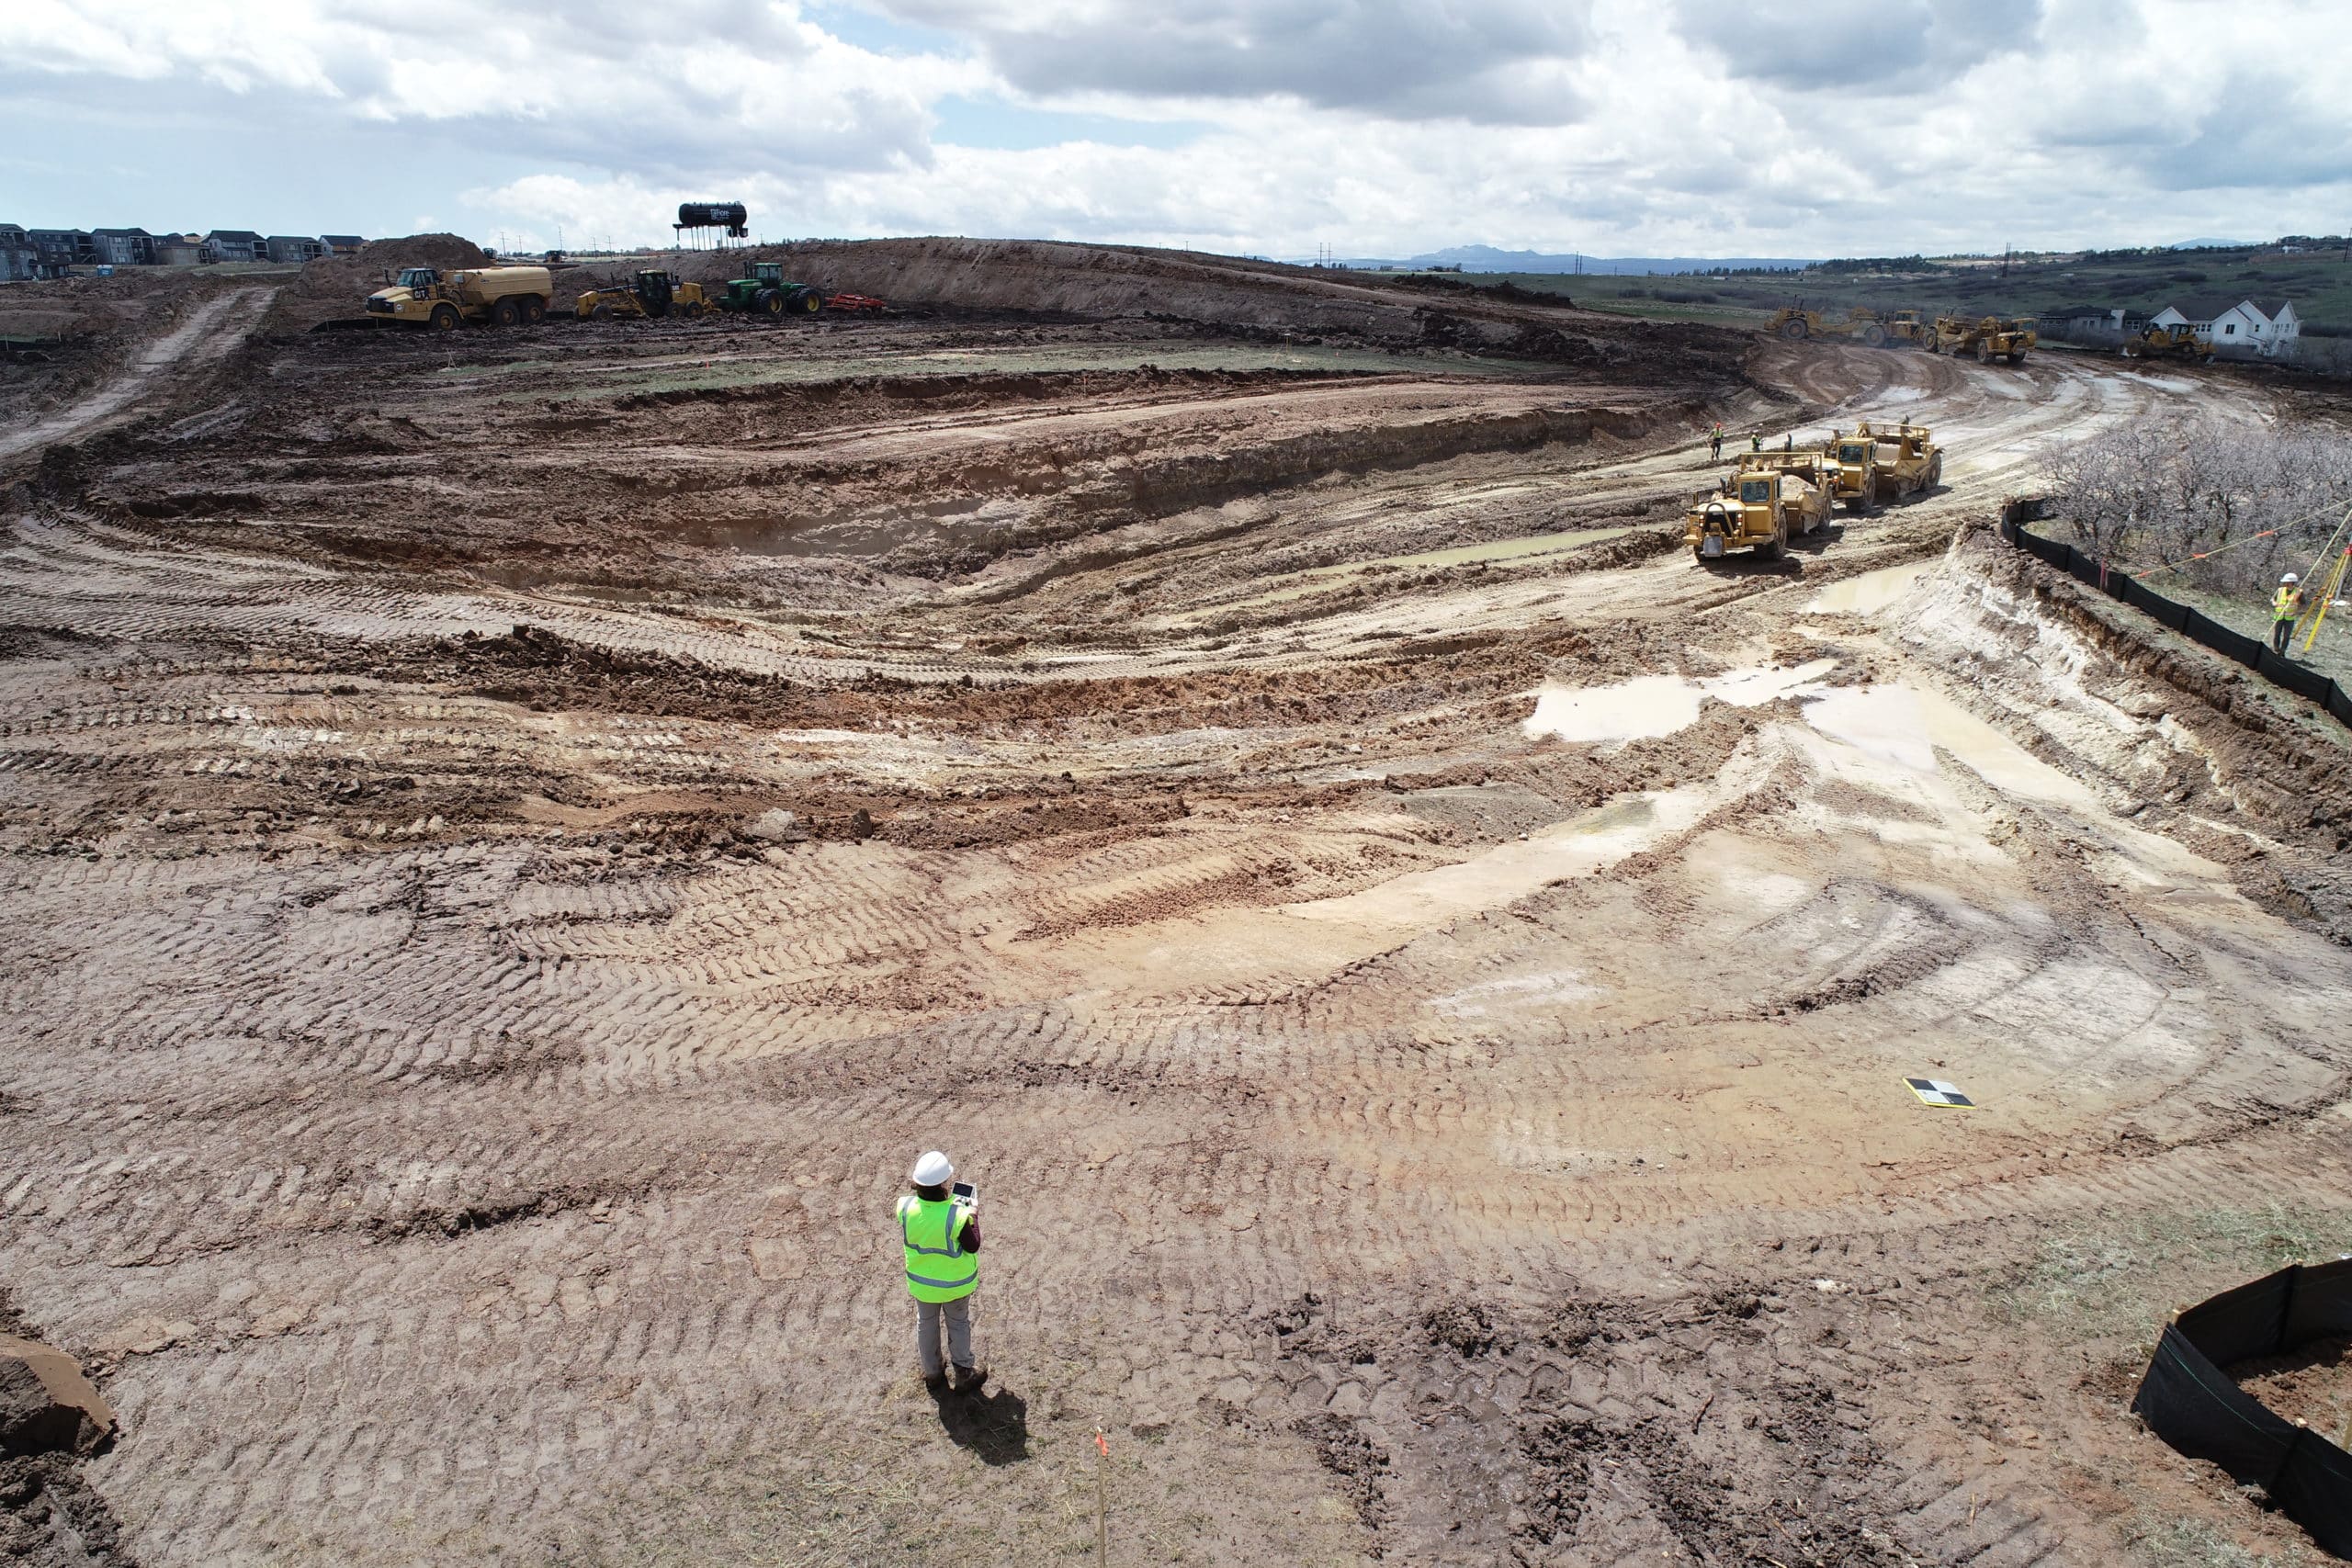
x=994 y=1424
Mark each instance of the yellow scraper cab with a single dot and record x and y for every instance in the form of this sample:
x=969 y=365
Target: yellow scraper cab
x=1851 y=469
x=1907 y=459
x=1907 y=326
x=1988 y=337
x=1861 y=325
x=1768 y=500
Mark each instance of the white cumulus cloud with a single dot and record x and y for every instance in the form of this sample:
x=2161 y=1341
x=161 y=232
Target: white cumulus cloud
x=1380 y=127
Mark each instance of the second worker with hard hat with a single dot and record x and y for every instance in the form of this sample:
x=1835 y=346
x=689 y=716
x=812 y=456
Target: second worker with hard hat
x=939 y=1233
x=2286 y=608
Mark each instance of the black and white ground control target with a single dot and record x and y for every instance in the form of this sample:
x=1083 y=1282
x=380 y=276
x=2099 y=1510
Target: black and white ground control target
x=1935 y=1091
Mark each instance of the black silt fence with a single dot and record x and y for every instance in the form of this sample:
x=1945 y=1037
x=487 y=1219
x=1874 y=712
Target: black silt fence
x=2229 y=643
x=2191 y=1404
x=2252 y=652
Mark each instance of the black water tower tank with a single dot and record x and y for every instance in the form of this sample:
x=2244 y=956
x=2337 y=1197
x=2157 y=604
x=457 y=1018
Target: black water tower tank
x=728 y=215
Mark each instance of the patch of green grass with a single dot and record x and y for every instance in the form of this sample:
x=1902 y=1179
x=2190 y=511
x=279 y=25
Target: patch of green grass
x=2248 y=613
x=2320 y=283
x=2330 y=653
x=500 y=368
x=2122 y=1276
x=2191 y=1543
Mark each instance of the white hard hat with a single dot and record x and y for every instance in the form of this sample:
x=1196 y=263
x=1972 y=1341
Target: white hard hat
x=933 y=1170
x=2288 y=578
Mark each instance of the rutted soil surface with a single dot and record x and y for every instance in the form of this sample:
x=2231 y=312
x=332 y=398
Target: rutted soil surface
x=514 y=846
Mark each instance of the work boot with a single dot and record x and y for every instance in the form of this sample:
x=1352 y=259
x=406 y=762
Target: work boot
x=969 y=1379
x=937 y=1381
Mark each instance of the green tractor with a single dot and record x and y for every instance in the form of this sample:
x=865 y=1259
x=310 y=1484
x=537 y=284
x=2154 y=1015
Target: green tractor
x=767 y=292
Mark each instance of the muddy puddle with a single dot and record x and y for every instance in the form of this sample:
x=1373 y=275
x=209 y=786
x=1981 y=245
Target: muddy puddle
x=1578 y=847
x=1907 y=728
x=1652 y=706
x=1869 y=592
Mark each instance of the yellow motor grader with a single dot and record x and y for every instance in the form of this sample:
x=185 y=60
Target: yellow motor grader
x=1771 y=498
x=652 y=293
x=1861 y=325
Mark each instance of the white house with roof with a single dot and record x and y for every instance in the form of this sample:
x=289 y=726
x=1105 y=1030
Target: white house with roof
x=2267 y=327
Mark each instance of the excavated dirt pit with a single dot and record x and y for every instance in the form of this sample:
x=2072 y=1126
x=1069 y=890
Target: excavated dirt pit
x=513 y=845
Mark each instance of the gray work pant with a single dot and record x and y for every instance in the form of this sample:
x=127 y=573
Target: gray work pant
x=958 y=1314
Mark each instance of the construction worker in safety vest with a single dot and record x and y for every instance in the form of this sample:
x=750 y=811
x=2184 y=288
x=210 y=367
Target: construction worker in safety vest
x=939 y=1231
x=1756 y=441
x=1716 y=441
x=2286 y=608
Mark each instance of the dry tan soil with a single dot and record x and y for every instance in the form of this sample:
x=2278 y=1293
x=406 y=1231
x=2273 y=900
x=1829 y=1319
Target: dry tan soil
x=459 y=1116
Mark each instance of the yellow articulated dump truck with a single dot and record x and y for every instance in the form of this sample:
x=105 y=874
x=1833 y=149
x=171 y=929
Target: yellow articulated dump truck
x=486 y=296
x=1770 y=498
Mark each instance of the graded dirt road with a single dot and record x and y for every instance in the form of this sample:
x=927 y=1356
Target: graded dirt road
x=210 y=332
x=1422 y=972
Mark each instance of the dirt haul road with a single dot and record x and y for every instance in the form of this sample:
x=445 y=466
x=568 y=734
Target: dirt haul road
x=1422 y=973
x=212 y=330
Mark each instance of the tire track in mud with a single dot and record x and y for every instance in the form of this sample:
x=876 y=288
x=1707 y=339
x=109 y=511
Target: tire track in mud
x=421 y=1196
x=1955 y=402
x=207 y=335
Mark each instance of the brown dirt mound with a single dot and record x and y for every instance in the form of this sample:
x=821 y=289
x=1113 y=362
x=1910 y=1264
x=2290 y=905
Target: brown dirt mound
x=48 y=1512
x=1234 y=294
x=334 y=286
x=1091 y=281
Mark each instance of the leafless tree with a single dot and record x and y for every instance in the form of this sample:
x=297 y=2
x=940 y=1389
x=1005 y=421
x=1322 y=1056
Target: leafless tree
x=2228 y=503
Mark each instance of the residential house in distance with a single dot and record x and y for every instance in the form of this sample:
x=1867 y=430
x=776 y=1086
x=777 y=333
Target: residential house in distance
x=294 y=248
x=124 y=247
x=19 y=259
x=342 y=245
x=237 y=246
x=2099 y=326
x=181 y=250
x=62 y=248
x=2267 y=327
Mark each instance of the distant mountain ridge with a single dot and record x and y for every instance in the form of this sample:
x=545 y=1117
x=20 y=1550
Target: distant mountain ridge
x=1488 y=258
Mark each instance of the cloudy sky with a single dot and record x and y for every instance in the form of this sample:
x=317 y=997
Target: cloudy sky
x=1273 y=127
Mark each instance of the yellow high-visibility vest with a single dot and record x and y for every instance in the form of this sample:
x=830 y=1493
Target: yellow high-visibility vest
x=938 y=1269
x=2282 y=603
